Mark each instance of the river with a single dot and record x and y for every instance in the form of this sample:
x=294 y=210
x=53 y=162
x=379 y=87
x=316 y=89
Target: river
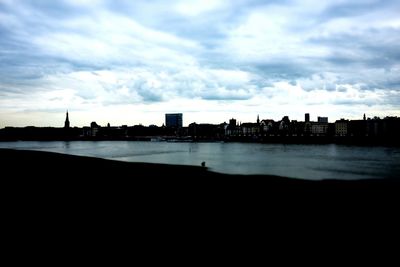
x=314 y=162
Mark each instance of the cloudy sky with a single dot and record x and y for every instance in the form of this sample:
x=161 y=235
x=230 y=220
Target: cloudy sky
x=130 y=62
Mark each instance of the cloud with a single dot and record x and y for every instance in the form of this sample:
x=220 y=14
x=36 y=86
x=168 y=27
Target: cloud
x=199 y=7
x=102 y=53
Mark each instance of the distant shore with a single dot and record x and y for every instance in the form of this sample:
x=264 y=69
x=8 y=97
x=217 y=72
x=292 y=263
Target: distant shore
x=344 y=140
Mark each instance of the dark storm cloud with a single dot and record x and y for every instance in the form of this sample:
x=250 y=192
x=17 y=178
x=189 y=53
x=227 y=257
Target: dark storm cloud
x=283 y=70
x=357 y=8
x=367 y=102
x=370 y=47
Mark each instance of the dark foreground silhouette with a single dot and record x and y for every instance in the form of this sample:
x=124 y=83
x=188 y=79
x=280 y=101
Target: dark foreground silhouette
x=50 y=196
x=54 y=173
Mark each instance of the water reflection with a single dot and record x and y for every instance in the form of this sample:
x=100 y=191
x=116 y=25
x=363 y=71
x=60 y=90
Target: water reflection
x=67 y=145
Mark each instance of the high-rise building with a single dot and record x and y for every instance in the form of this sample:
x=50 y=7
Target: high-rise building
x=323 y=119
x=173 y=120
x=307 y=117
x=66 y=124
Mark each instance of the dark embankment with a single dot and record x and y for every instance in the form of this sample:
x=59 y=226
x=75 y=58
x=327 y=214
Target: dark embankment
x=54 y=173
x=69 y=197
x=74 y=205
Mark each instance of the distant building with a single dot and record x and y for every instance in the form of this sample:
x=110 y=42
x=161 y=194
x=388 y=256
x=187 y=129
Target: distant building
x=319 y=128
x=307 y=124
x=284 y=124
x=232 y=122
x=267 y=126
x=232 y=129
x=173 y=120
x=391 y=127
x=66 y=124
x=374 y=127
x=357 y=128
x=316 y=128
x=86 y=131
x=94 y=128
x=206 y=130
x=296 y=127
x=250 y=129
x=307 y=117
x=341 y=127
x=323 y=119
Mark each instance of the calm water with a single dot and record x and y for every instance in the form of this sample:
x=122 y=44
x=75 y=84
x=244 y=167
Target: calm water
x=300 y=161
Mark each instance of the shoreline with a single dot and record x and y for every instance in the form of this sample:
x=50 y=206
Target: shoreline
x=45 y=164
x=56 y=182
x=311 y=140
x=59 y=180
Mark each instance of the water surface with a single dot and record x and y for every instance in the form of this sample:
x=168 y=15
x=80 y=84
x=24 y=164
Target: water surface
x=312 y=162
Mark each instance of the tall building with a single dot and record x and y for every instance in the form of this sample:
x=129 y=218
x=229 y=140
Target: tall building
x=66 y=124
x=323 y=119
x=307 y=124
x=307 y=117
x=173 y=120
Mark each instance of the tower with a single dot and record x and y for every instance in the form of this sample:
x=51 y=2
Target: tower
x=307 y=117
x=258 y=119
x=364 y=117
x=66 y=124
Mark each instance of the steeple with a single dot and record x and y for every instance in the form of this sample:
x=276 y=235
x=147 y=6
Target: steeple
x=364 y=117
x=66 y=124
x=258 y=119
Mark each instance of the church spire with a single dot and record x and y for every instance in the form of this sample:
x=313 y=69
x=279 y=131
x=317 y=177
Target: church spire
x=66 y=125
x=258 y=119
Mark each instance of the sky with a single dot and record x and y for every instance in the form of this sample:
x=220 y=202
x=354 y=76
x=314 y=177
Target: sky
x=130 y=62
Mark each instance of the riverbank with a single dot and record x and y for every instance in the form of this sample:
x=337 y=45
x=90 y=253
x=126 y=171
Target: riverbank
x=63 y=172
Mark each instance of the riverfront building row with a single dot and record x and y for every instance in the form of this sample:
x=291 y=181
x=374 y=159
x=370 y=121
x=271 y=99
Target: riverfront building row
x=375 y=128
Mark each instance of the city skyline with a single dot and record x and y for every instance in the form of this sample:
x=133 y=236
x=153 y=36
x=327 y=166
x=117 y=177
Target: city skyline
x=131 y=62
x=371 y=131
x=175 y=120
